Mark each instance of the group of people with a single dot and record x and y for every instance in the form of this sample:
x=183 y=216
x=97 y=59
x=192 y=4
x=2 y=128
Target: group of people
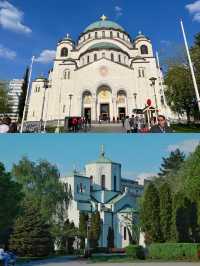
x=7 y=258
x=137 y=124
x=7 y=126
x=77 y=124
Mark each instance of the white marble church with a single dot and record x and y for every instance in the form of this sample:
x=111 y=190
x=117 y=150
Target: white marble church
x=102 y=188
x=105 y=74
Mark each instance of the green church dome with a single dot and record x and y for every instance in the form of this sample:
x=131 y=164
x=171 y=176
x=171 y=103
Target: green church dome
x=104 y=45
x=105 y=24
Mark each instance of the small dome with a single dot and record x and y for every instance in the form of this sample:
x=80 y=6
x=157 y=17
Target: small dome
x=105 y=24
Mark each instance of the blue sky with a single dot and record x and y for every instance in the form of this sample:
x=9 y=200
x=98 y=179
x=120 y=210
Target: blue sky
x=30 y=27
x=140 y=156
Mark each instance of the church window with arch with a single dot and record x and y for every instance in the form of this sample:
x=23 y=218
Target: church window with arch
x=118 y=35
x=111 y=35
x=119 y=57
x=95 y=57
x=103 y=182
x=64 y=52
x=88 y=59
x=125 y=233
x=67 y=74
x=144 y=49
x=103 y=34
x=112 y=57
x=96 y=35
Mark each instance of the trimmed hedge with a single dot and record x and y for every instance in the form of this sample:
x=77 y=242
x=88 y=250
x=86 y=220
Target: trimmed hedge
x=171 y=251
x=136 y=252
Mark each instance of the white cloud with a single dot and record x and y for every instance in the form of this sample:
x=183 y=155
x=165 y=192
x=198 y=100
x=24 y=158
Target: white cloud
x=46 y=56
x=194 y=9
x=11 y=18
x=145 y=176
x=118 y=11
x=186 y=146
x=7 y=53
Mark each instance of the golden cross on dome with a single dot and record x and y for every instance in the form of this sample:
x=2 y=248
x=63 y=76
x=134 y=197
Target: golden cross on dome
x=103 y=18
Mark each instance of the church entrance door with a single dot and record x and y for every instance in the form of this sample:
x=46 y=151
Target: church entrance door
x=122 y=112
x=105 y=112
x=87 y=113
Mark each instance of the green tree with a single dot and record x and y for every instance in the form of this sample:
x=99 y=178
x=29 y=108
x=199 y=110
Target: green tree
x=180 y=93
x=41 y=185
x=172 y=163
x=181 y=218
x=111 y=238
x=22 y=97
x=83 y=220
x=95 y=229
x=165 y=211
x=150 y=214
x=5 y=100
x=10 y=198
x=31 y=236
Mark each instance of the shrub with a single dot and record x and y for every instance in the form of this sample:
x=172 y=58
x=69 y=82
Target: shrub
x=171 y=251
x=136 y=252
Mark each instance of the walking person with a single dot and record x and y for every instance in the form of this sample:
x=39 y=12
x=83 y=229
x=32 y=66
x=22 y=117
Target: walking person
x=127 y=125
x=162 y=126
x=5 y=125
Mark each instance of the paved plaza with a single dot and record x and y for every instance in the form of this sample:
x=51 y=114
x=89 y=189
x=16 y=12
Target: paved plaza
x=71 y=261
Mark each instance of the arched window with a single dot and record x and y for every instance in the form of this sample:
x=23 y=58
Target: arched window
x=89 y=35
x=125 y=233
x=144 y=49
x=64 y=52
x=67 y=74
x=88 y=59
x=103 y=34
x=112 y=57
x=103 y=182
x=118 y=35
x=95 y=57
x=111 y=35
x=81 y=188
x=91 y=183
x=96 y=35
x=119 y=58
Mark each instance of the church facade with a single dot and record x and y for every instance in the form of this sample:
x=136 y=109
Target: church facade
x=105 y=74
x=102 y=188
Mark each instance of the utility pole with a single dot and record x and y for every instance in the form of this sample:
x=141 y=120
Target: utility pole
x=191 y=65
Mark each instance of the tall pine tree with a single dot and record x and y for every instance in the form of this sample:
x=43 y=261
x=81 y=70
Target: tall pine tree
x=22 y=97
x=165 y=211
x=150 y=214
x=31 y=236
x=172 y=163
x=83 y=220
x=95 y=229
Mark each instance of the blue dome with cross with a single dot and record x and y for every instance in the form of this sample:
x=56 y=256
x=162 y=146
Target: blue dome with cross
x=104 y=23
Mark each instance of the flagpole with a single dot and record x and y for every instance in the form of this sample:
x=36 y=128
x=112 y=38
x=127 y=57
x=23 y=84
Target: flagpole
x=191 y=65
x=27 y=94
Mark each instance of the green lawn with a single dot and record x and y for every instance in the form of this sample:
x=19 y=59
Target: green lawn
x=180 y=128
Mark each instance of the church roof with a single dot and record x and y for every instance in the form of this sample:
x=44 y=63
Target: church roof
x=104 y=45
x=105 y=24
x=102 y=158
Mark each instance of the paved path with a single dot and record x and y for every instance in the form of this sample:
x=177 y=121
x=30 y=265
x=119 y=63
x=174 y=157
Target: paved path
x=107 y=128
x=70 y=261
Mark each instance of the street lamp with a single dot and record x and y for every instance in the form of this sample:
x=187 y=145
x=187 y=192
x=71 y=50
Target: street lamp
x=153 y=84
x=135 y=97
x=70 y=103
x=87 y=244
